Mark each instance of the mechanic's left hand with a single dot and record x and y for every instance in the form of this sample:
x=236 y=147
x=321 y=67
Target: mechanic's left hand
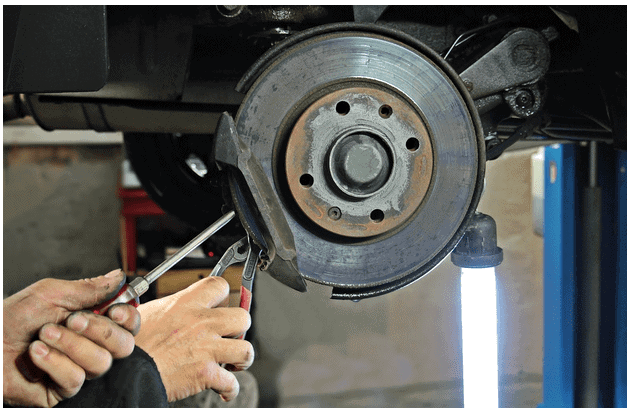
x=72 y=345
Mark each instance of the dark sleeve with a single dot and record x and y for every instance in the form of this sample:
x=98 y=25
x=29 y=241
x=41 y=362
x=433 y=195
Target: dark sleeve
x=131 y=382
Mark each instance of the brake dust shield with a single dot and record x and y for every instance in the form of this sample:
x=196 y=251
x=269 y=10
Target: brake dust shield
x=371 y=149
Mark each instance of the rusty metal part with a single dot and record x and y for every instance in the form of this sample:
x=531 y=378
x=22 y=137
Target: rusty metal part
x=365 y=152
x=294 y=76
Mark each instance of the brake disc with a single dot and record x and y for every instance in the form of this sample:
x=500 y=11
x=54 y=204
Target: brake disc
x=373 y=152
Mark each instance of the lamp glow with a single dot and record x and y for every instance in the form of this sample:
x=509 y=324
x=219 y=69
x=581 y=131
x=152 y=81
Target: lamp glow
x=480 y=338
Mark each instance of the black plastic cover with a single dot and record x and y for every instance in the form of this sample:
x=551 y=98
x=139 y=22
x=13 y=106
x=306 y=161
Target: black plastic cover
x=478 y=248
x=54 y=48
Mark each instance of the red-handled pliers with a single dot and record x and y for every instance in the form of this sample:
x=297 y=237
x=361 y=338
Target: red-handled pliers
x=241 y=251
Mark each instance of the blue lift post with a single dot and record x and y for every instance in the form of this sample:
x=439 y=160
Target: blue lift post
x=559 y=275
x=561 y=269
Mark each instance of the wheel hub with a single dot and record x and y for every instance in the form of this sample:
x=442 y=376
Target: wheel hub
x=359 y=161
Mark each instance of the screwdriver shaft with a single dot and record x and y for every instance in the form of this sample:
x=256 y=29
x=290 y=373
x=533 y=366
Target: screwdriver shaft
x=181 y=253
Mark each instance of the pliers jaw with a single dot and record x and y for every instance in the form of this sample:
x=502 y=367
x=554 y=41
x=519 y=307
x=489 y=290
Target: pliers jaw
x=244 y=250
x=236 y=253
x=251 y=264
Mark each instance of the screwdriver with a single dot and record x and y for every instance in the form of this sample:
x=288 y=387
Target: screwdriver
x=130 y=293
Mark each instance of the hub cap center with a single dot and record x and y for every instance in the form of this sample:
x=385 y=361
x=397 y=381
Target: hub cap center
x=359 y=164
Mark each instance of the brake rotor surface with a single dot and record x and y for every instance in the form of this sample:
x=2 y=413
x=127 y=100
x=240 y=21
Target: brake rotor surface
x=372 y=152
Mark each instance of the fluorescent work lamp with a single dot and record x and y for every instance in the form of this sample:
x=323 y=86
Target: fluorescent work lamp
x=477 y=254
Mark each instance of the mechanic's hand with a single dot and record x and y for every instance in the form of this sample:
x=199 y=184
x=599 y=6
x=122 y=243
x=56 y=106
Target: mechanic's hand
x=71 y=345
x=185 y=334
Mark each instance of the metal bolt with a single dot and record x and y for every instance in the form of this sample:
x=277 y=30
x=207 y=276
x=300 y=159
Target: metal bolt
x=334 y=213
x=524 y=99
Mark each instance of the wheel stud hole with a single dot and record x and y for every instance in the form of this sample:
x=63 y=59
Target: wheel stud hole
x=342 y=108
x=385 y=111
x=334 y=213
x=376 y=216
x=306 y=180
x=412 y=144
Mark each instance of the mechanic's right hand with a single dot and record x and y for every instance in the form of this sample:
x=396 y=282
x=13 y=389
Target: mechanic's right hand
x=187 y=335
x=50 y=346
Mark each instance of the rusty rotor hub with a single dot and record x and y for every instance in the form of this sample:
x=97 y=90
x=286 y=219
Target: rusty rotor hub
x=359 y=161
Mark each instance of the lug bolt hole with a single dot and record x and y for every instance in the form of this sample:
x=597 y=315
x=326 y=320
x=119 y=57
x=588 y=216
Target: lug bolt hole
x=376 y=216
x=385 y=111
x=412 y=144
x=342 y=108
x=306 y=180
x=334 y=213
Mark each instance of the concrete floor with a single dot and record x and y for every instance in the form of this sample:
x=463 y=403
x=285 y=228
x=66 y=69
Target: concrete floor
x=399 y=350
